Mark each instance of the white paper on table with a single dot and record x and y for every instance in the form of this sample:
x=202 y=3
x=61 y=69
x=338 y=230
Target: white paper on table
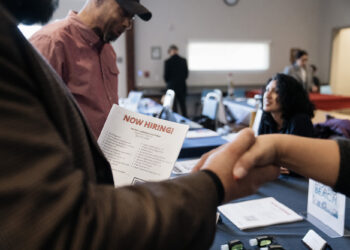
x=258 y=213
x=185 y=166
x=201 y=133
x=140 y=148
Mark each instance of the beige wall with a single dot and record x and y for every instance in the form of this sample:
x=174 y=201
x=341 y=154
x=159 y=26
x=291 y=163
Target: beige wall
x=340 y=73
x=286 y=23
x=334 y=14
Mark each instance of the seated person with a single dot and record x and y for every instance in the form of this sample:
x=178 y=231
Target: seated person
x=286 y=108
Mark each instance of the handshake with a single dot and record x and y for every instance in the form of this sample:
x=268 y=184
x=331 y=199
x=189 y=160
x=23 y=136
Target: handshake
x=246 y=163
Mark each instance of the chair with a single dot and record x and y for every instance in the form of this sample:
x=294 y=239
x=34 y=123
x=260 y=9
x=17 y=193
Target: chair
x=169 y=99
x=210 y=105
x=208 y=118
x=221 y=113
x=167 y=111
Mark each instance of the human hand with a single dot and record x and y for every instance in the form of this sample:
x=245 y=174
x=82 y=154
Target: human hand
x=222 y=160
x=263 y=153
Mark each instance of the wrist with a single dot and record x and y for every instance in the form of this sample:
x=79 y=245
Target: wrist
x=218 y=184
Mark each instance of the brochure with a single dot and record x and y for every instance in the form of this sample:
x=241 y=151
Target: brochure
x=140 y=148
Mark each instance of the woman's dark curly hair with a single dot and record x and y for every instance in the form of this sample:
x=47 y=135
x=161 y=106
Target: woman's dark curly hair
x=292 y=97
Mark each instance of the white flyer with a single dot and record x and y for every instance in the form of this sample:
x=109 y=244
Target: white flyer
x=140 y=148
x=258 y=213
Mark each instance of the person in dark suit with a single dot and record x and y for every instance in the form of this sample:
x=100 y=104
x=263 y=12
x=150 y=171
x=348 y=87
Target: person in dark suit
x=175 y=75
x=56 y=186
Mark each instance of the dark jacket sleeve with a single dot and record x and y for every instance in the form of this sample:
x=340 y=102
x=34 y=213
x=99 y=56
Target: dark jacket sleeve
x=47 y=202
x=343 y=185
x=48 y=198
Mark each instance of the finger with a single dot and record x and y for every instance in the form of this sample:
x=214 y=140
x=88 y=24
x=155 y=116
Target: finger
x=253 y=180
x=243 y=141
x=245 y=163
x=229 y=153
x=253 y=157
x=202 y=160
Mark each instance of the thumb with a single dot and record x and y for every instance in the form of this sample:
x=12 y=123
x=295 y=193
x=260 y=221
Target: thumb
x=243 y=141
x=262 y=153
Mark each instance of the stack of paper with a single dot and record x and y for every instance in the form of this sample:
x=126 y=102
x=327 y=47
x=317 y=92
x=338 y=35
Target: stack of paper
x=258 y=213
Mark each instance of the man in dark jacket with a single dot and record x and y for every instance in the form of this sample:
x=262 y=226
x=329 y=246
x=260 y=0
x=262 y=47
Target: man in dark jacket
x=175 y=75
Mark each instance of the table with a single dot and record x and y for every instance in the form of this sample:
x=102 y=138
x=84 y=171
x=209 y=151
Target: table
x=321 y=101
x=292 y=192
x=329 y=102
x=195 y=147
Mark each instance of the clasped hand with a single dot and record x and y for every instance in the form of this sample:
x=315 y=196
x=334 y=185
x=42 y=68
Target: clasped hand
x=224 y=161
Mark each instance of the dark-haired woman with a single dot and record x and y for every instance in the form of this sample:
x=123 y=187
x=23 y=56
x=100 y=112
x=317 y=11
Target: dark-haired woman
x=286 y=108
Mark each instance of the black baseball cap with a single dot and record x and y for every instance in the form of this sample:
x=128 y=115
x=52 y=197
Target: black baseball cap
x=134 y=7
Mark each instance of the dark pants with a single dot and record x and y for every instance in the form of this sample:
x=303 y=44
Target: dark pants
x=181 y=99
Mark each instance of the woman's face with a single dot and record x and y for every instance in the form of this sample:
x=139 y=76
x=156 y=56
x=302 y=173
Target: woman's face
x=271 y=103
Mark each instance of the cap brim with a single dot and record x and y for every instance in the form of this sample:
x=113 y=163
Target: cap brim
x=135 y=8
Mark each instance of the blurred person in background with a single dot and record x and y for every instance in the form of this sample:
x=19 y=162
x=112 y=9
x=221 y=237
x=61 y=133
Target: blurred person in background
x=300 y=70
x=175 y=75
